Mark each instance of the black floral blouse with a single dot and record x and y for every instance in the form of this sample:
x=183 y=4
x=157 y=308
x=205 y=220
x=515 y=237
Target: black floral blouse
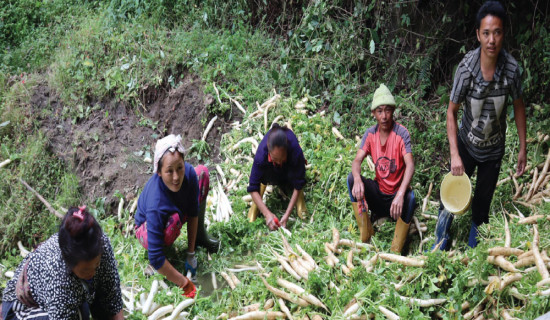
x=58 y=291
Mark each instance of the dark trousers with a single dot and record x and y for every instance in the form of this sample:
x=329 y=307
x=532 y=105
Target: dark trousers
x=487 y=177
x=380 y=203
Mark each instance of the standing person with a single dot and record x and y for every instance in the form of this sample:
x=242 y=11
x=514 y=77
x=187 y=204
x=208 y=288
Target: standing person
x=174 y=195
x=70 y=275
x=279 y=160
x=389 y=194
x=484 y=79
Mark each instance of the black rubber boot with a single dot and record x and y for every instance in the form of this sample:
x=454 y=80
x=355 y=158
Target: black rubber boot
x=203 y=239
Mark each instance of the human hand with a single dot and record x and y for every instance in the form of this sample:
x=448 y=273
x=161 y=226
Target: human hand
x=457 y=168
x=397 y=205
x=284 y=219
x=358 y=190
x=191 y=263
x=273 y=222
x=189 y=289
x=522 y=161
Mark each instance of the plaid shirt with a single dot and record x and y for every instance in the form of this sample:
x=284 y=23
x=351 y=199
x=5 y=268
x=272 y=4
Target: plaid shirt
x=483 y=124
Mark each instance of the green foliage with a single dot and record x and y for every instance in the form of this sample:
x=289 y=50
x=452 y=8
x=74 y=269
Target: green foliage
x=199 y=150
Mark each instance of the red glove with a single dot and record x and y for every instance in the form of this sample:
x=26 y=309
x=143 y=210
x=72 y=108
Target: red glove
x=276 y=221
x=189 y=290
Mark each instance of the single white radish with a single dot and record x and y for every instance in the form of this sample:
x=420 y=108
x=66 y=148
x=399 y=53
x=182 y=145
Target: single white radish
x=222 y=174
x=22 y=251
x=5 y=163
x=543 y=283
x=352 y=309
x=501 y=262
x=161 y=312
x=133 y=207
x=505 y=251
x=306 y=256
x=252 y=307
x=335 y=238
x=179 y=308
x=243 y=269
x=284 y=309
x=349 y=260
x=209 y=127
x=507 y=234
x=389 y=315
x=148 y=303
x=353 y=244
x=120 y=209
x=234 y=278
x=214 y=281
x=246 y=140
x=531 y=219
x=423 y=302
x=406 y=261
x=337 y=133
x=260 y=315
x=269 y=303
x=228 y=280
x=538 y=257
x=509 y=279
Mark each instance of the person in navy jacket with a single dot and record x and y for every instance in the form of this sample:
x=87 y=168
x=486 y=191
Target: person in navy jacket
x=279 y=160
x=174 y=195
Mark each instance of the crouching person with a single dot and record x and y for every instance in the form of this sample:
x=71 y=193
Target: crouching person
x=174 y=195
x=389 y=145
x=279 y=160
x=69 y=276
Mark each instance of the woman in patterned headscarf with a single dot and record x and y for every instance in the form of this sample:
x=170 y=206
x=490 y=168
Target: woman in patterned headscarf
x=174 y=195
x=70 y=275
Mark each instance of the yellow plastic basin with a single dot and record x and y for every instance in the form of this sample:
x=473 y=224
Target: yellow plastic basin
x=456 y=193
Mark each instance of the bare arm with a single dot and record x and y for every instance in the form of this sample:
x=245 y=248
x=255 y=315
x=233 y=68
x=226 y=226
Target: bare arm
x=291 y=205
x=118 y=316
x=397 y=204
x=457 y=168
x=264 y=210
x=172 y=274
x=519 y=115
x=358 y=190
x=192 y=224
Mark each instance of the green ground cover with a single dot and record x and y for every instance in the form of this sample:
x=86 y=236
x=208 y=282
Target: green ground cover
x=89 y=51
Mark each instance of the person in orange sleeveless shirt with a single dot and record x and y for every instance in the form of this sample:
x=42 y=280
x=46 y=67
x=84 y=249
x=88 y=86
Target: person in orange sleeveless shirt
x=389 y=194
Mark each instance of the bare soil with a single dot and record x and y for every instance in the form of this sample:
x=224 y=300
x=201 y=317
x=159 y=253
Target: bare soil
x=106 y=148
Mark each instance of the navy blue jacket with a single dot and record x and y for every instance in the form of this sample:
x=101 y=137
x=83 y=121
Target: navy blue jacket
x=157 y=203
x=293 y=171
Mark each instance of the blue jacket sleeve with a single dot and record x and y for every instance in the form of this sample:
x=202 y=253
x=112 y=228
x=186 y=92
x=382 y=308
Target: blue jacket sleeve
x=255 y=176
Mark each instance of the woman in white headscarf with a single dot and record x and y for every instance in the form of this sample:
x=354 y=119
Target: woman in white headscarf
x=174 y=195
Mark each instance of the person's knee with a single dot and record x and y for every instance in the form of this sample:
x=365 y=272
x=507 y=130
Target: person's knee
x=409 y=207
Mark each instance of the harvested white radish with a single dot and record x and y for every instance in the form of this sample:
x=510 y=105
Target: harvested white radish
x=161 y=312
x=148 y=303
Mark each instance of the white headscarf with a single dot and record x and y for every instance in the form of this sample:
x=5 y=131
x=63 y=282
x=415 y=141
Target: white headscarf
x=170 y=142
